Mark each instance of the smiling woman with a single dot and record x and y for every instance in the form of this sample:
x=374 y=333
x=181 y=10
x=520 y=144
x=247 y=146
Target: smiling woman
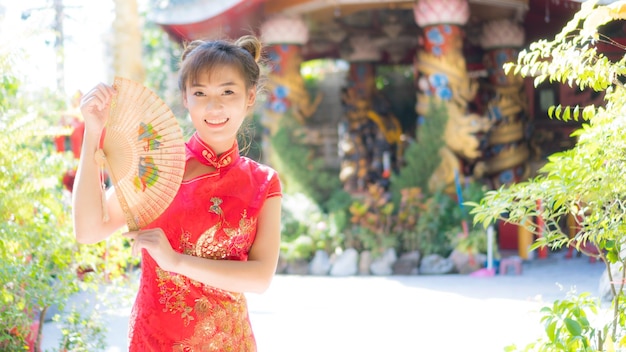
x=220 y=236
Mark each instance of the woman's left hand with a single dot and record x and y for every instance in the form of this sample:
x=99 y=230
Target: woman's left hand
x=157 y=245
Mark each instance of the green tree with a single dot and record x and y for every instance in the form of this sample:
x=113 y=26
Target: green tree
x=39 y=256
x=36 y=241
x=422 y=156
x=585 y=182
x=301 y=171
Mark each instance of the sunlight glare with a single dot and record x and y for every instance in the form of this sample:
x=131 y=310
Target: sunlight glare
x=28 y=25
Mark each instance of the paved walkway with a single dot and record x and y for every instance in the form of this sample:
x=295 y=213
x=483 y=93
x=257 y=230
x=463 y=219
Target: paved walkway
x=398 y=313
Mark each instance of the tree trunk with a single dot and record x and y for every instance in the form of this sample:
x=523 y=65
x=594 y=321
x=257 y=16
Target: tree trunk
x=127 y=47
x=59 y=44
x=42 y=319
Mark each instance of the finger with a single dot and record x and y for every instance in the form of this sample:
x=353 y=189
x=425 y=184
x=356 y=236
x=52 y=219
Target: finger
x=102 y=94
x=130 y=235
x=106 y=90
x=136 y=249
x=93 y=101
x=103 y=98
x=142 y=242
x=110 y=90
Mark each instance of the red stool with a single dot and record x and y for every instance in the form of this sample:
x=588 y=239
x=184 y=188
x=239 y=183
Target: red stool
x=514 y=262
x=589 y=248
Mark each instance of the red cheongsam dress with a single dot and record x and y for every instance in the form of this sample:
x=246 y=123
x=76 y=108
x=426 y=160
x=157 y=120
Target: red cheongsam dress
x=213 y=216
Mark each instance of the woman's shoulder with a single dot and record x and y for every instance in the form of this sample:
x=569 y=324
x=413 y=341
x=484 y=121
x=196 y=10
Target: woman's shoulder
x=263 y=176
x=258 y=168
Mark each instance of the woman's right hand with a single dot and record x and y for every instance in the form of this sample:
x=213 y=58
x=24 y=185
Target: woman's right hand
x=95 y=106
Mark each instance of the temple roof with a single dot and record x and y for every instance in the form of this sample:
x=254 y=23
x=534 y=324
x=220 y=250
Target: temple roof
x=189 y=11
x=193 y=19
x=379 y=20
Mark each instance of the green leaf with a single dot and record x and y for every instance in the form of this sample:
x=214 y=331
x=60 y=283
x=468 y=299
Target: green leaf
x=540 y=79
x=584 y=322
x=551 y=330
x=566 y=114
x=588 y=112
x=557 y=111
x=507 y=67
x=612 y=257
x=573 y=326
x=622 y=341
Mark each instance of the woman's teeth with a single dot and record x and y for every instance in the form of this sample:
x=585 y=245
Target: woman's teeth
x=216 y=122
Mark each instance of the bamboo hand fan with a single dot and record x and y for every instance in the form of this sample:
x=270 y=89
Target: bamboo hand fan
x=143 y=150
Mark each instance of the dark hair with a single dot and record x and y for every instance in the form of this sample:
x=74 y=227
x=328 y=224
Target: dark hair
x=201 y=56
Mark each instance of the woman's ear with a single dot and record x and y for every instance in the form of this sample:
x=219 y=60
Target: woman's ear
x=252 y=97
x=185 y=101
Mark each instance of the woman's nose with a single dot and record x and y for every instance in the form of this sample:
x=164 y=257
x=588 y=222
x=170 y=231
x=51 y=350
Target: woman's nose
x=213 y=104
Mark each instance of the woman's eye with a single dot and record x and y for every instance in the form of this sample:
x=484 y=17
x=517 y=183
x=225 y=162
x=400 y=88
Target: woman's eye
x=228 y=92
x=198 y=94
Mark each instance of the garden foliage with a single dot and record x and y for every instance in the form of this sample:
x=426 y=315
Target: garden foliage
x=300 y=170
x=39 y=257
x=585 y=182
x=422 y=156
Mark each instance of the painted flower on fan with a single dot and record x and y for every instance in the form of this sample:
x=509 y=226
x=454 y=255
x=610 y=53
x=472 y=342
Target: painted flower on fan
x=148 y=134
x=148 y=173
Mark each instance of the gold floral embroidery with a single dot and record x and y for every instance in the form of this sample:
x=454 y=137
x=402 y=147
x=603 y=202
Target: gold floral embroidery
x=245 y=226
x=206 y=247
x=213 y=244
x=186 y=246
x=202 y=306
x=220 y=318
x=224 y=328
x=173 y=297
x=215 y=208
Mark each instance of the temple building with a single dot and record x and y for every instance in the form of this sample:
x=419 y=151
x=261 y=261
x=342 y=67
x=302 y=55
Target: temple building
x=497 y=128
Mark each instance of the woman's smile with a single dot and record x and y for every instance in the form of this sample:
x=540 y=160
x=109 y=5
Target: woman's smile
x=216 y=122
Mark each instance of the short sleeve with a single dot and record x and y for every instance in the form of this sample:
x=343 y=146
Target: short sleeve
x=274 y=187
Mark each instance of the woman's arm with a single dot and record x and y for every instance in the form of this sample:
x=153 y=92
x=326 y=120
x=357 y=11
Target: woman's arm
x=253 y=275
x=87 y=208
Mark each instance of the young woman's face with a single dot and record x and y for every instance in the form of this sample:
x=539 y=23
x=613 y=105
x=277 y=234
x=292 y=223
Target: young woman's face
x=218 y=104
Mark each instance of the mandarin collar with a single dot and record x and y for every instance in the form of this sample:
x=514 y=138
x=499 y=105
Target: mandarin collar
x=203 y=153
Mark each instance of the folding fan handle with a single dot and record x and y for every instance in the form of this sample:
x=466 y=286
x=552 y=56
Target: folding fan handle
x=100 y=161
x=103 y=163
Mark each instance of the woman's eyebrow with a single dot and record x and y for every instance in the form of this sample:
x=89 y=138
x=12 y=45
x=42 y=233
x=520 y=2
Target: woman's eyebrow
x=229 y=83
x=225 y=84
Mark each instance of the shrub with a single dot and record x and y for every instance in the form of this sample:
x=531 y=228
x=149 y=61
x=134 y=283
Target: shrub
x=585 y=182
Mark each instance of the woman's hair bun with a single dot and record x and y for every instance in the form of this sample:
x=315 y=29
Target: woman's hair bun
x=189 y=48
x=250 y=44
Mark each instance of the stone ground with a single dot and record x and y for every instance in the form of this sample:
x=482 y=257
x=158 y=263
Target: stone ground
x=395 y=313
